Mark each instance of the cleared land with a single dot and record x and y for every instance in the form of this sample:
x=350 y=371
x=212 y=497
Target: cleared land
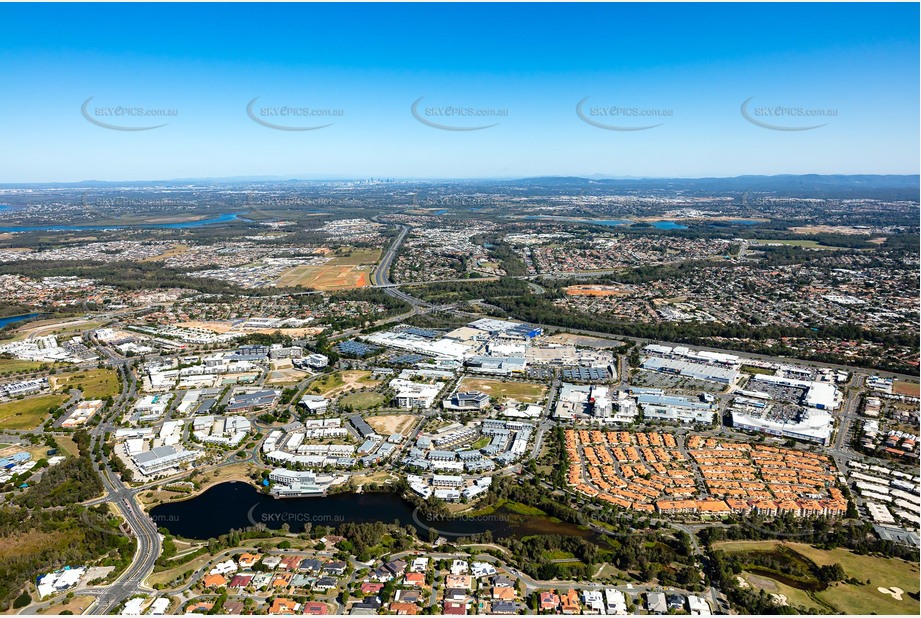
x=93 y=383
x=363 y=400
x=28 y=413
x=177 y=249
x=906 y=388
x=584 y=341
x=519 y=391
x=392 y=423
x=849 y=598
x=285 y=376
x=806 y=244
x=339 y=273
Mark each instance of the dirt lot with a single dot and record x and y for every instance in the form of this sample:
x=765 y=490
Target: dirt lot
x=393 y=423
x=906 y=388
x=584 y=341
x=520 y=391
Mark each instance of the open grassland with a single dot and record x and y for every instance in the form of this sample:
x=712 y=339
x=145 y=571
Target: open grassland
x=33 y=541
x=850 y=598
x=93 y=383
x=28 y=413
x=13 y=365
x=520 y=391
x=341 y=272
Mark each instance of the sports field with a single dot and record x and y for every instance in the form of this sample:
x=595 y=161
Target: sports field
x=341 y=272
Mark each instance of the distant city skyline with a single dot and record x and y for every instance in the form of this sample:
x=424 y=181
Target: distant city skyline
x=457 y=91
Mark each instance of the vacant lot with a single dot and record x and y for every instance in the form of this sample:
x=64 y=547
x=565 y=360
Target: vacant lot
x=12 y=365
x=392 y=423
x=28 y=413
x=76 y=606
x=339 y=273
x=850 y=598
x=94 y=383
x=336 y=383
x=912 y=389
x=363 y=400
x=285 y=377
x=520 y=391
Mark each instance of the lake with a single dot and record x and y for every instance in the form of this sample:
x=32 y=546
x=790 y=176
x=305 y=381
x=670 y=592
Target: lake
x=236 y=505
x=17 y=318
x=668 y=225
x=224 y=218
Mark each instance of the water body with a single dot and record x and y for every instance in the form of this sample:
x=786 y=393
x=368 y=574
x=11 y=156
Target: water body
x=17 y=318
x=668 y=225
x=238 y=505
x=225 y=218
x=744 y=222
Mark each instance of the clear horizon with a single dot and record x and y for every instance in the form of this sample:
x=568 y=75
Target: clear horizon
x=450 y=92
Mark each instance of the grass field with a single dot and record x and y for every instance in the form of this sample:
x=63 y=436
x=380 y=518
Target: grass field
x=520 y=391
x=339 y=273
x=28 y=413
x=363 y=400
x=849 y=598
x=14 y=365
x=93 y=383
x=912 y=389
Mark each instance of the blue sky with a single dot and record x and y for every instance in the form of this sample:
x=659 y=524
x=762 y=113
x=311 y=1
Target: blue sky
x=689 y=67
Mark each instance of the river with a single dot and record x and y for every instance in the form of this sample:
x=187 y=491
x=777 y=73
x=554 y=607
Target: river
x=224 y=218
